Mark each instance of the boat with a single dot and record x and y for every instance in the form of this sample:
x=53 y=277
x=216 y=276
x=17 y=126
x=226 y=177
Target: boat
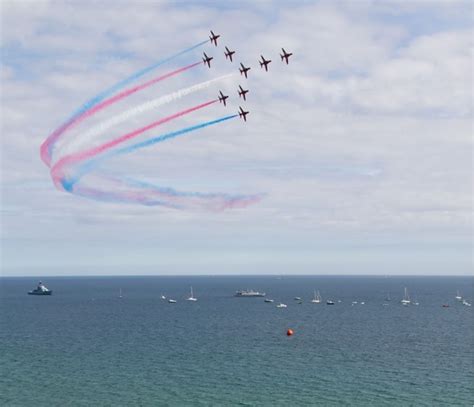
x=249 y=293
x=387 y=298
x=41 y=289
x=281 y=305
x=192 y=296
x=120 y=293
x=171 y=301
x=329 y=302
x=163 y=297
x=268 y=300
x=316 y=298
x=406 y=298
x=458 y=296
x=467 y=304
x=445 y=305
x=297 y=298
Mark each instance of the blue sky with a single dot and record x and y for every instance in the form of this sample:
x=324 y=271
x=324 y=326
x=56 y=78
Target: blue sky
x=362 y=145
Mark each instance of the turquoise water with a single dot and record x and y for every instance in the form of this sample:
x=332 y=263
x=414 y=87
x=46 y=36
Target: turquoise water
x=84 y=346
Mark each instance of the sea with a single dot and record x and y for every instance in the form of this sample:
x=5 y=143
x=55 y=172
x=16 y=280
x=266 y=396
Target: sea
x=86 y=346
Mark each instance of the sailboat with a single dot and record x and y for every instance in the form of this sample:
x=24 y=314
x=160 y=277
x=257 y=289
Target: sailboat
x=316 y=298
x=120 y=293
x=458 y=296
x=191 y=298
x=406 y=298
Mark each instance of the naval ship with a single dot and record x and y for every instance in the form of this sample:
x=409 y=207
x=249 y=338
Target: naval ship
x=40 y=290
x=249 y=293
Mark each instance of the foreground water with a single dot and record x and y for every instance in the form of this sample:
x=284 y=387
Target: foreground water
x=86 y=346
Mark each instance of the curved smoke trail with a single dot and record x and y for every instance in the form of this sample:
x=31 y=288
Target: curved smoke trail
x=57 y=171
x=67 y=183
x=85 y=137
x=124 y=82
x=48 y=145
x=148 y=194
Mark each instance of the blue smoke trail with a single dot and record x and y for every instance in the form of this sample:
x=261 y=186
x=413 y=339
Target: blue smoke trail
x=68 y=183
x=101 y=96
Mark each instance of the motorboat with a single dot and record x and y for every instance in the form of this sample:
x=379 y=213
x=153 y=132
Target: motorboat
x=268 y=300
x=281 y=305
x=171 y=301
x=329 y=302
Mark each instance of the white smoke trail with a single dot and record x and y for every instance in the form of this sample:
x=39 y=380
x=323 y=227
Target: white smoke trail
x=73 y=144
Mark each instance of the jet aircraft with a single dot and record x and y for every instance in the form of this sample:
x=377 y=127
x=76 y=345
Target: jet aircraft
x=207 y=60
x=244 y=70
x=213 y=37
x=264 y=63
x=222 y=98
x=228 y=53
x=243 y=92
x=243 y=114
x=285 y=55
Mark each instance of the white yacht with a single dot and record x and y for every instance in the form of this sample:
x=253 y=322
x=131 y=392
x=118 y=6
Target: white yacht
x=163 y=297
x=467 y=304
x=316 y=298
x=268 y=300
x=281 y=305
x=191 y=298
x=458 y=296
x=171 y=301
x=406 y=298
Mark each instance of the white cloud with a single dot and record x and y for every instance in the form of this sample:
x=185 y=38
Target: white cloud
x=367 y=131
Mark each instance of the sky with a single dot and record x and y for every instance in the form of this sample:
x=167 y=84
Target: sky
x=360 y=148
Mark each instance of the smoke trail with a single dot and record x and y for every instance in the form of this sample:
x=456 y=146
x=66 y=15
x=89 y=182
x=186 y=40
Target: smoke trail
x=98 y=98
x=152 y=195
x=85 y=137
x=48 y=145
x=57 y=170
x=68 y=183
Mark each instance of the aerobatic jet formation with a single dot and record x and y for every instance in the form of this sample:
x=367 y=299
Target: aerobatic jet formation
x=213 y=37
x=228 y=53
x=243 y=114
x=207 y=60
x=222 y=98
x=243 y=70
x=243 y=92
x=285 y=55
x=264 y=63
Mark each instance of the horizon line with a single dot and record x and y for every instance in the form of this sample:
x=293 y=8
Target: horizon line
x=237 y=275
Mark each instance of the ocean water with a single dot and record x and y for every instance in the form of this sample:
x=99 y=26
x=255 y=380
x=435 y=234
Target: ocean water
x=85 y=346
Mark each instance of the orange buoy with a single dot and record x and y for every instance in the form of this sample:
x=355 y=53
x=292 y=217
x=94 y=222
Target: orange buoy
x=289 y=332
